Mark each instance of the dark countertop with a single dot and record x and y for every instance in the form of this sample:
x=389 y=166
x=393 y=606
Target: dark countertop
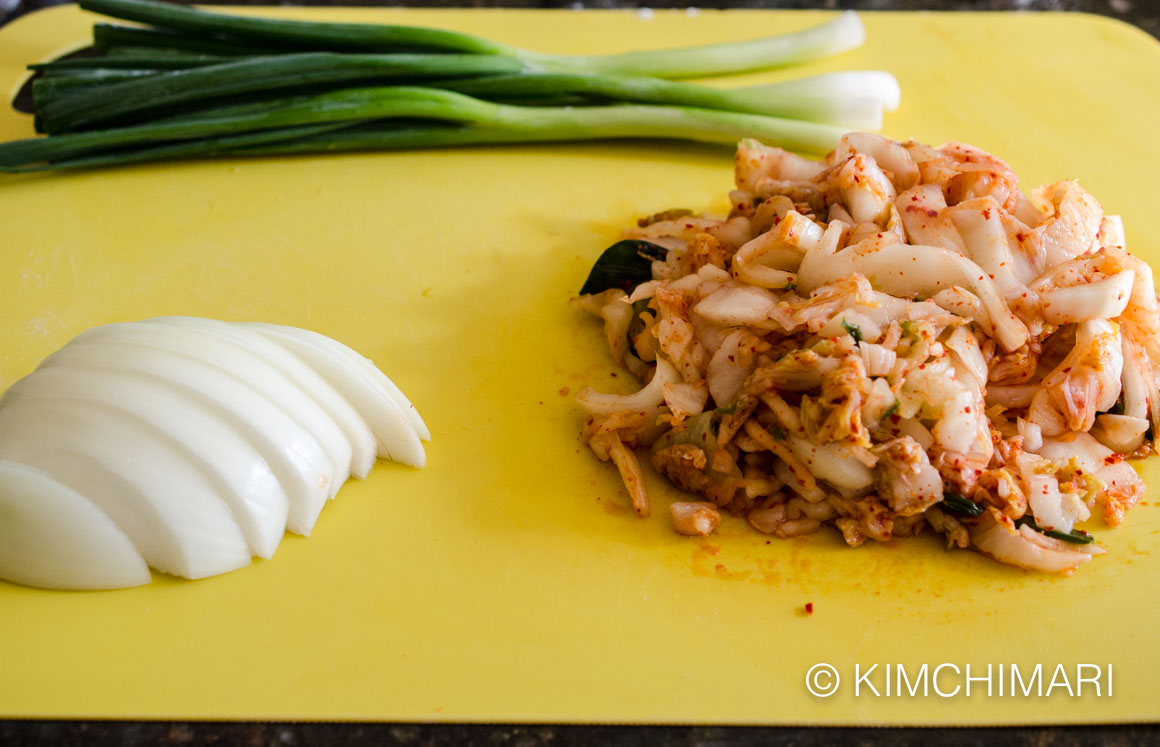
x=1142 y=13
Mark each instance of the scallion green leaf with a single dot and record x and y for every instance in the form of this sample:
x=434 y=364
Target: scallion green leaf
x=1075 y=536
x=953 y=503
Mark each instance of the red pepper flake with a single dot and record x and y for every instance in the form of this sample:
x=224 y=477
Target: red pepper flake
x=1113 y=458
x=809 y=608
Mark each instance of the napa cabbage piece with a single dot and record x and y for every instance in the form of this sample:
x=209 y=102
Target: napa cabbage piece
x=917 y=272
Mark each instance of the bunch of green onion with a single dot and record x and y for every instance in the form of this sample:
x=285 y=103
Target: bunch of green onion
x=188 y=83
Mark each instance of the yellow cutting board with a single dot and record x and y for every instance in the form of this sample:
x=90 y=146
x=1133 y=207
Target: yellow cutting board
x=508 y=581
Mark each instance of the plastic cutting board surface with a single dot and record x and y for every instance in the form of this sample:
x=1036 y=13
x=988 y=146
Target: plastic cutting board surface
x=508 y=580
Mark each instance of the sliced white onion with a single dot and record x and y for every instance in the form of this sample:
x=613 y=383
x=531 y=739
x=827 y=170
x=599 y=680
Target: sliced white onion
x=150 y=490
x=184 y=444
x=241 y=476
x=204 y=346
x=302 y=467
x=391 y=416
x=52 y=536
x=340 y=410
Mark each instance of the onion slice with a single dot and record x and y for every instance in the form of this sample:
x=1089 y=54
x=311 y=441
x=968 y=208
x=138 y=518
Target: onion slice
x=153 y=493
x=247 y=368
x=52 y=536
x=338 y=407
x=187 y=445
x=295 y=456
x=239 y=474
x=394 y=421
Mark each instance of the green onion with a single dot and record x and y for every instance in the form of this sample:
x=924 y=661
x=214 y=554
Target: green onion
x=954 y=503
x=153 y=61
x=210 y=147
x=861 y=111
x=172 y=90
x=294 y=34
x=1075 y=536
x=853 y=330
x=501 y=123
x=152 y=95
x=495 y=78
x=841 y=34
x=49 y=87
x=110 y=36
